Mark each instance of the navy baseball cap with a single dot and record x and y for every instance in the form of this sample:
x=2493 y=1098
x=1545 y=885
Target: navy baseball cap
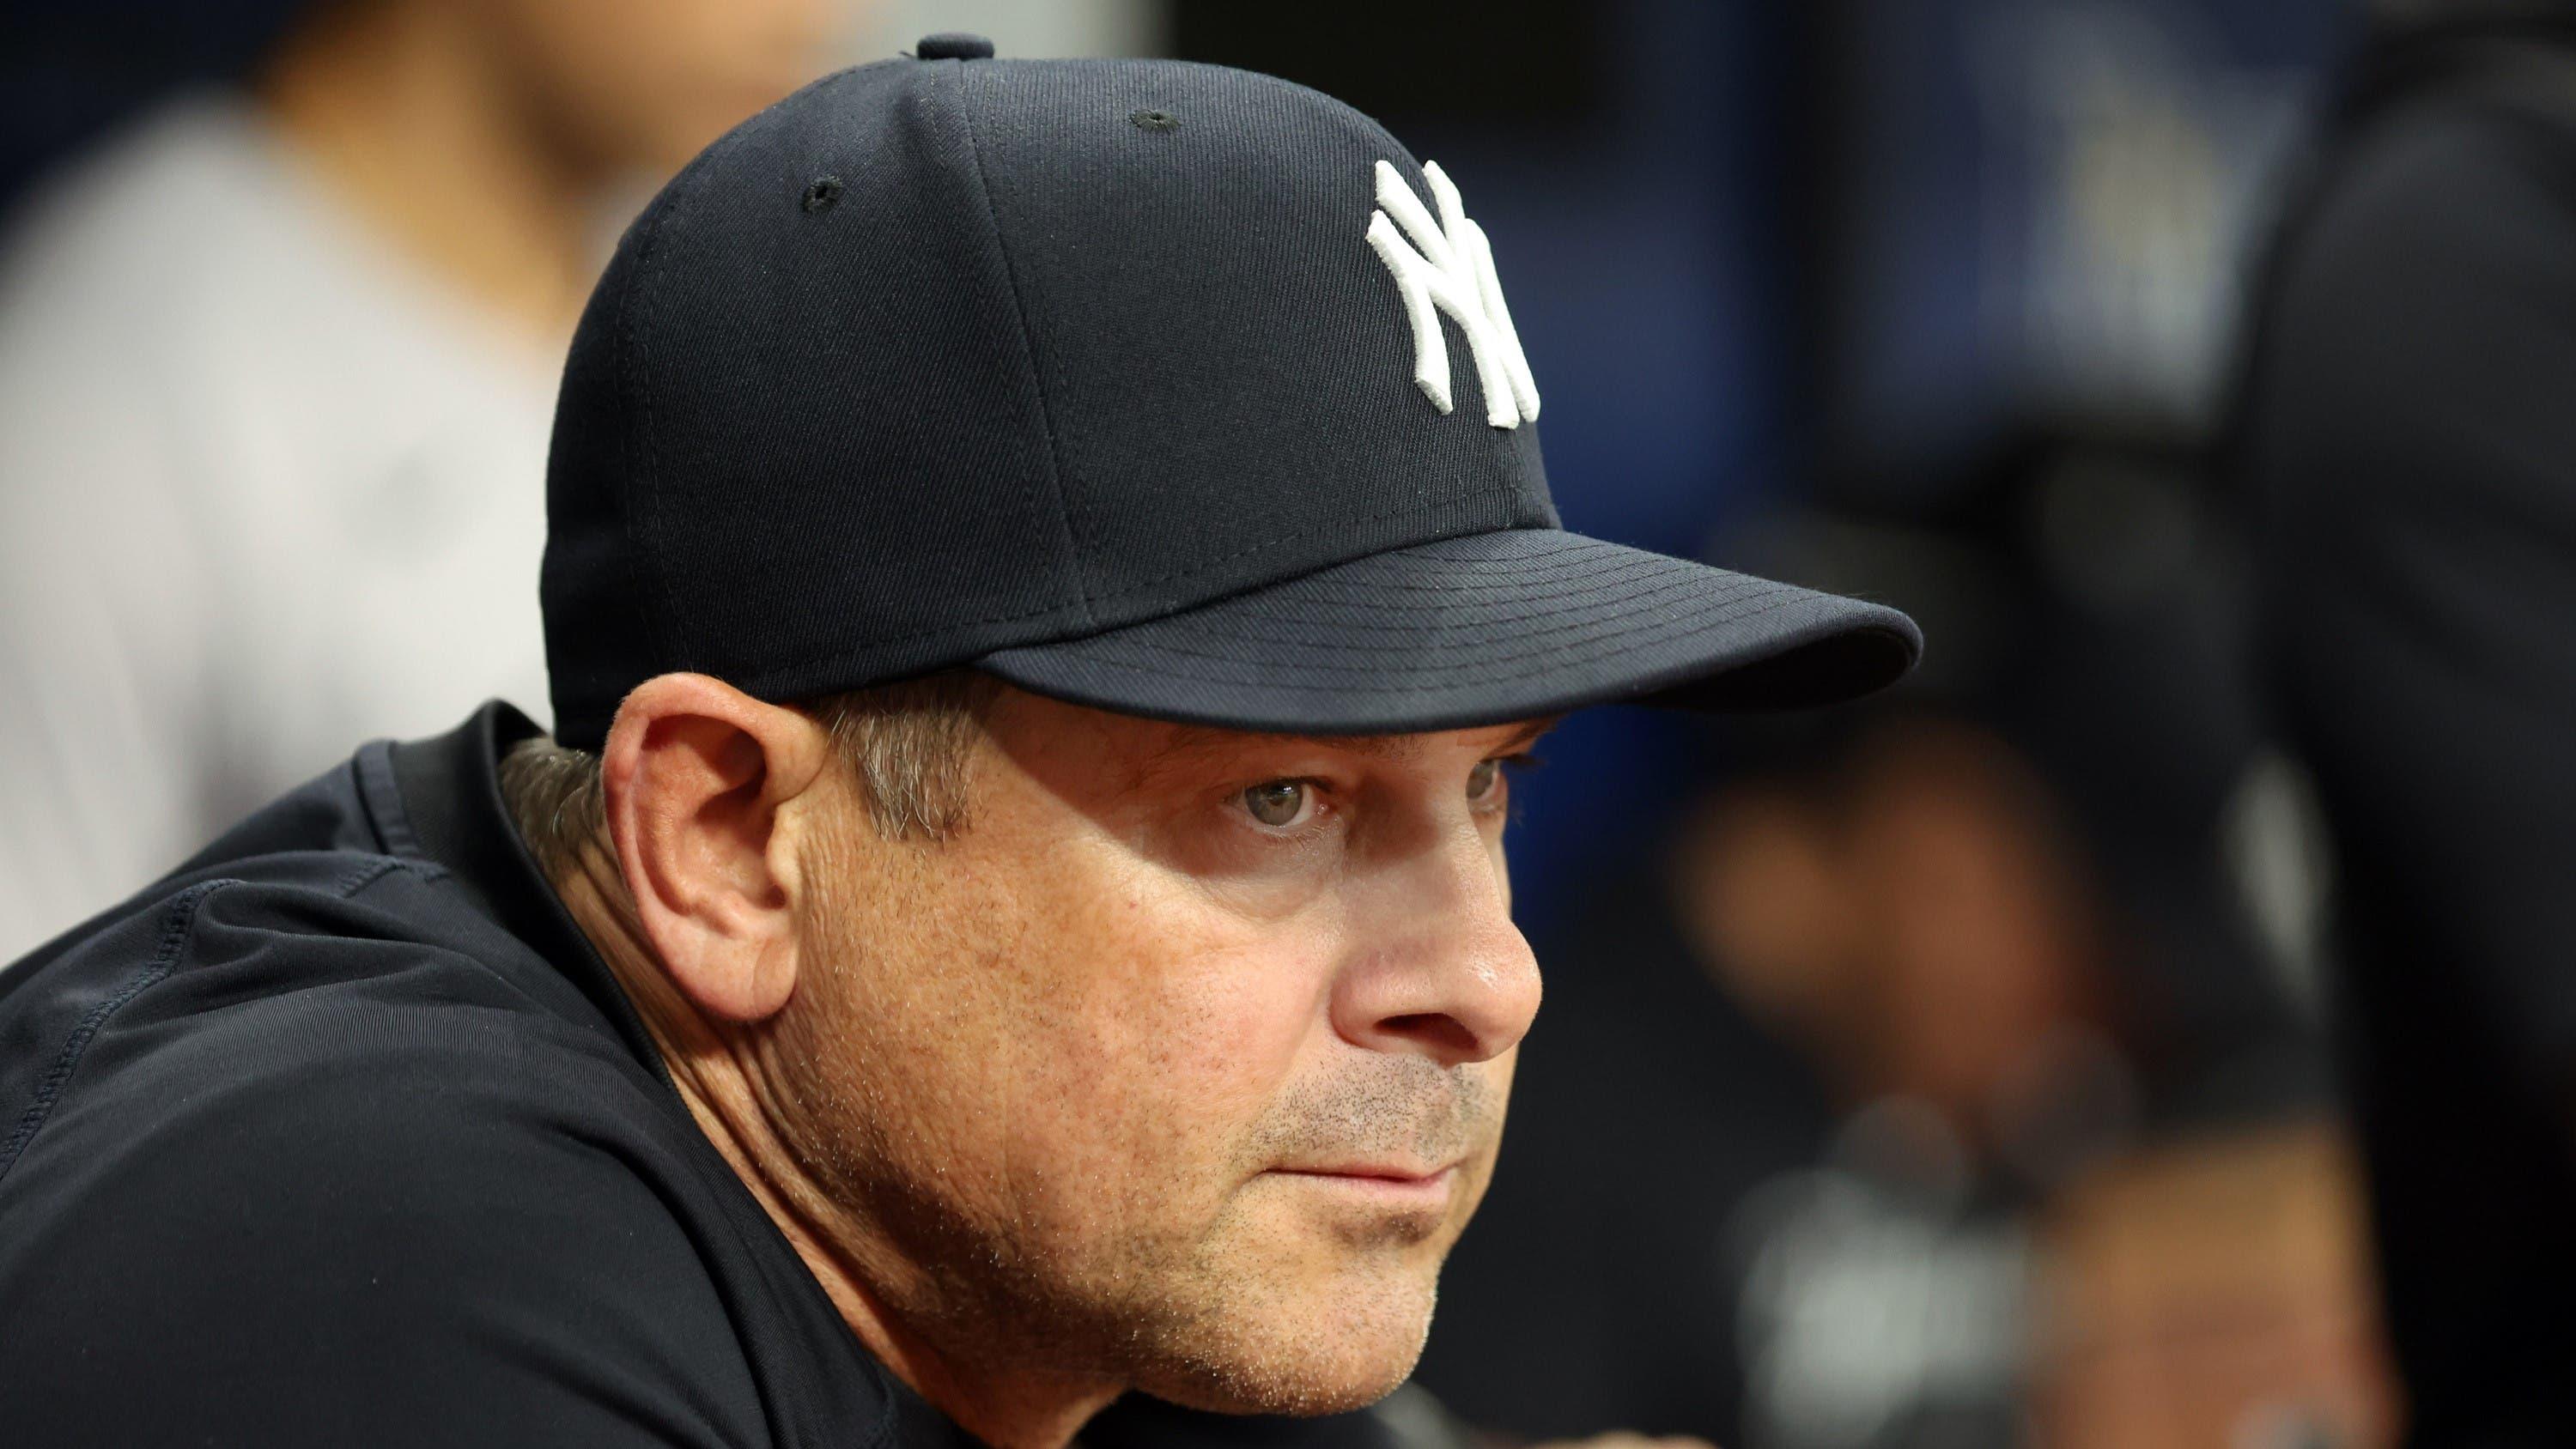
x=1164 y=388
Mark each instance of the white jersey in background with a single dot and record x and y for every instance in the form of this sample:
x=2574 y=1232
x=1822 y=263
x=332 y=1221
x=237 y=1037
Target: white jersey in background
x=266 y=491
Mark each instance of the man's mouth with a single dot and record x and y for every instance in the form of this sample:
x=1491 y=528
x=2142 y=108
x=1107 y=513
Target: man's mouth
x=1394 y=1184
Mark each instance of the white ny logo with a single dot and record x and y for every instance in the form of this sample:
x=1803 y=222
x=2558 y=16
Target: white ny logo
x=1454 y=272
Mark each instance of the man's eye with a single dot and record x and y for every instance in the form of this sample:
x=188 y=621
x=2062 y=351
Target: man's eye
x=1482 y=780
x=1280 y=803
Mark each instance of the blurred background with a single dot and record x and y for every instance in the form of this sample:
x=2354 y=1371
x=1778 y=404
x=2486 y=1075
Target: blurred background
x=2148 y=1026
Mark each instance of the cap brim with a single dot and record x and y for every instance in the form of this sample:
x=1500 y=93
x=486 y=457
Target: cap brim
x=1476 y=631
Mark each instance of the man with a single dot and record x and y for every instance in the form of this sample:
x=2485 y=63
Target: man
x=1048 y=567
x=276 y=368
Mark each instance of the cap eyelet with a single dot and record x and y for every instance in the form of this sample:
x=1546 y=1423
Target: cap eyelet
x=821 y=195
x=1155 y=120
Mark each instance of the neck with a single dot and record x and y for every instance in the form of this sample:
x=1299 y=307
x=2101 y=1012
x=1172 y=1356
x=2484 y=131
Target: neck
x=410 y=122
x=1007 y=1405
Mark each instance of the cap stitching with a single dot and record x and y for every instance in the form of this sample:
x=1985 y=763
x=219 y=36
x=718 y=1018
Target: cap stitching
x=1028 y=348
x=1732 y=610
x=644 y=522
x=631 y=380
x=1558 y=606
x=1527 y=585
x=1456 y=575
x=1423 y=683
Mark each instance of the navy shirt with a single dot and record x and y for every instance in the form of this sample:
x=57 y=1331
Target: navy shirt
x=343 y=1134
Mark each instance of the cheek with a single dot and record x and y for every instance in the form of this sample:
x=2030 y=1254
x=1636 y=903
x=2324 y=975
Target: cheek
x=1164 y=1027
x=908 y=1023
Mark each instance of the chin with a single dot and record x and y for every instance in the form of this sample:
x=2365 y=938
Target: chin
x=1346 y=1348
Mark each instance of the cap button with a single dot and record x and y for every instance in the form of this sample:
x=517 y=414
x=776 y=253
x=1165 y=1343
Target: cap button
x=954 y=45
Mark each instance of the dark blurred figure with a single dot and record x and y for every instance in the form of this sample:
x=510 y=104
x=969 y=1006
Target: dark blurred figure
x=2409 y=438
x=1860 y=1107
x=276 y=372
x=1749 y=1188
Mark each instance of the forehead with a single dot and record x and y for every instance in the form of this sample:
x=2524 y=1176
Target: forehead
x=1183 y=745
x=1074 y=747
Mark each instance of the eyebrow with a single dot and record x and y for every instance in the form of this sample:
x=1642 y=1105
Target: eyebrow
x=1529 y=733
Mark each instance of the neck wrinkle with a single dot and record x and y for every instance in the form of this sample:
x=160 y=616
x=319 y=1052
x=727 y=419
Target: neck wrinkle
x=715 y=1080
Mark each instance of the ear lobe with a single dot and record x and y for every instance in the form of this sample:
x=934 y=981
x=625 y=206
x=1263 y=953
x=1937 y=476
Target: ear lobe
x=695 y=773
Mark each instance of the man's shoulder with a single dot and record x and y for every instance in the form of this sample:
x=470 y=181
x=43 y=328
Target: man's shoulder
x=300 y=908
x=299 y=1004
x=324 y=972
x=267 y=1131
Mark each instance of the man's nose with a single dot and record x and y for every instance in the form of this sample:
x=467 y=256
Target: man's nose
x=1449 y=976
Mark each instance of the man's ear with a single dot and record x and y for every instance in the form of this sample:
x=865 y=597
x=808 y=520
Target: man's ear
x=695 y=772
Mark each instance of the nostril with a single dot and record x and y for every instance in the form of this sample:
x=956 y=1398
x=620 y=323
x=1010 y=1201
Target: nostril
x=1446 y=1035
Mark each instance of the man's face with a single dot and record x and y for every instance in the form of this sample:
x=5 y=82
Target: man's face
x=1183 y=1064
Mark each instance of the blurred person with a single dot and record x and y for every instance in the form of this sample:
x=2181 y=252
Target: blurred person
x=2410 y=457
x=1878 y=993
x=1917 y=923
x=1914 y=1193
x=2215 y=1291
x=1851 y=1028
x=1013 y=907
x=276 y=368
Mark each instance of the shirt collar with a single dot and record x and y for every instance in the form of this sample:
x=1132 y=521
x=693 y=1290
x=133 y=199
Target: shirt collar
x=440 y=799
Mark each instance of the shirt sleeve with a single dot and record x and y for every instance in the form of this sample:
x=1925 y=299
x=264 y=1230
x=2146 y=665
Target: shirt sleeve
x=416 y=1242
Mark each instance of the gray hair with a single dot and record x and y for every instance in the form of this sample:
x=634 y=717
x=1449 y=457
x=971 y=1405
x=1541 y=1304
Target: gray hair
x=906 y=743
